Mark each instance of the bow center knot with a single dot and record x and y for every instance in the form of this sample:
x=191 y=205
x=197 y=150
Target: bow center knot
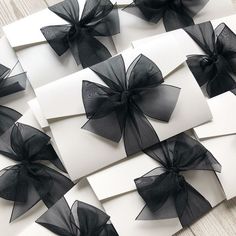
x=174 y=169
x=25 y=162
x=208 y=60
x=125 y=96
x=76 y=30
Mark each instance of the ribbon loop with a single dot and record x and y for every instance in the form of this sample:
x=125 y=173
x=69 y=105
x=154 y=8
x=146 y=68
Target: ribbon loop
x=167 y=190
x=29 y=181
x=81 y=219
x=11 y=84
x=99 y=18
x=128 y=99
x=216 y=67
x=175 y=13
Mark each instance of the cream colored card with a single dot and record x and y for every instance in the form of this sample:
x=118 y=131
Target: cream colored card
x=74 y=144
x=115 y=187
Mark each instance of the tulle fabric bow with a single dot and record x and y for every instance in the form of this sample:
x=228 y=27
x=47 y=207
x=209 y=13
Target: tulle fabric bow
x=11 y=84
x=215 y=67
x=175 y=13
x=121 y=108
x=165 y=190
x=99 y=18
x=81 y=220
x=29 y=181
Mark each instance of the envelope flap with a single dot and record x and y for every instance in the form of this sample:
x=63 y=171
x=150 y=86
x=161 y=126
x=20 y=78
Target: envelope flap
x=119 y=179
x=224 y=116
x=67 y=92
x=26 y=31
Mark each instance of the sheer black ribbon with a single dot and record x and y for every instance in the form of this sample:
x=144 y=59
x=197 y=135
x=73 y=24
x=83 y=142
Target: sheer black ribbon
x=121 y=108
x=175 y=13
x=81 y=220
x=99 y=18
x=30 y=181
x=234 y=91
x=8 y=117
x=216 y=66
x=165 y=190
x=11 y=84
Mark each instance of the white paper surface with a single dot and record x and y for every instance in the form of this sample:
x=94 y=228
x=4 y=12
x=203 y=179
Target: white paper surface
x=224 y=116
x=224 y=150
x=82 y=192
x=123 y=203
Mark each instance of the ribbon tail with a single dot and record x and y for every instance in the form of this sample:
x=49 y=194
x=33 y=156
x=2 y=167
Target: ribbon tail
x=59 y=186
x=190 y=205
x=13 y=84
x=88 y=51
x=138 y=132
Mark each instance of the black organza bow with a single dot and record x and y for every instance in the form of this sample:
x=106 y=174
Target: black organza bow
x=30 y=181
x=175 y=13
x=165 y=190
x=219 y=62
x=122 y=107
x=81 y=220
x=99 y=18
x=11 y=84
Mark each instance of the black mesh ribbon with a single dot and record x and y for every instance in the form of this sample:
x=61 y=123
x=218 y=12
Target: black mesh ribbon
x=81 y=220
x=165 y=190
x=121 y=108
x=11 y=84
x=216 y=66
x=175 y=13
x=8 y=117
x=234 y=91
x=29 y=181
x=99 y=18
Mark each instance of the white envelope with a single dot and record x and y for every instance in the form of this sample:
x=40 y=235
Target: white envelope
x=186 y=43
x=8 y=58
x=82 y=192
x=65 y=111
x=134 y=28
x=36 y=55
x=20 y=224
x=116 y=189
x=219 y=137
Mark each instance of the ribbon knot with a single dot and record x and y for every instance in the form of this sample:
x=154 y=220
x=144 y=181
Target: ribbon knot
x=165 y=191
x=216 y=67
x=30 y=181
x=99 y=18
x=121 y=108
x=125 y=96
x=175 y=13
x=81 y=219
